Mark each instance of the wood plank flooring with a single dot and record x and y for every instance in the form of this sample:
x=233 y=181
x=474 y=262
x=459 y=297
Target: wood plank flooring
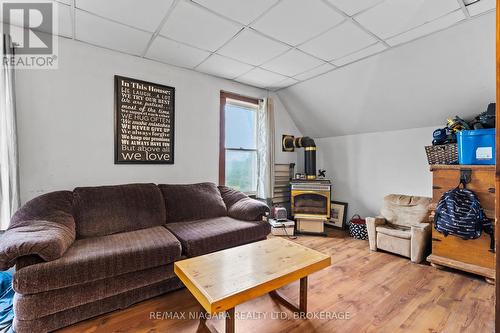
x=362 y=291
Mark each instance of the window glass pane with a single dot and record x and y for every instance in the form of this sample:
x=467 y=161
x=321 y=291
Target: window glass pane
x=241 y=126
x=241 y=170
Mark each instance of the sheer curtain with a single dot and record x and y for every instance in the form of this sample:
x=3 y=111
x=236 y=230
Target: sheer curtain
x=265 y=149
x=9 y=179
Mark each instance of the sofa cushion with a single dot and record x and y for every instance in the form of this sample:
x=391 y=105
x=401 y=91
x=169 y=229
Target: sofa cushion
x=394 y=231
x=192 y=202
x=121 y=301
x=29 y=307
x=96 y=258
x=205 y=236
x=107 y=210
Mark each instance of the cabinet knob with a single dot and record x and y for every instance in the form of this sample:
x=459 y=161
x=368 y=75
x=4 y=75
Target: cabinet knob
x=491 y=190
x=435 y=187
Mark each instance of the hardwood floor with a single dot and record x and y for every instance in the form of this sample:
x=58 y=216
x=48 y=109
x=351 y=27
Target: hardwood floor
x=362 y=291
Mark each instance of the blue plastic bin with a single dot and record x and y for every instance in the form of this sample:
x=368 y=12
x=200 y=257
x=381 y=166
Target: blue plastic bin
x=476 y=147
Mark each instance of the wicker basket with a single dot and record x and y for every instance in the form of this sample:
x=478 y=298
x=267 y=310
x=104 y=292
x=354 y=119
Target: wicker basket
x=442 y=154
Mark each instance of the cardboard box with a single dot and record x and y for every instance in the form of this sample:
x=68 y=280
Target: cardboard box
x=282 y=228
x=311 y=225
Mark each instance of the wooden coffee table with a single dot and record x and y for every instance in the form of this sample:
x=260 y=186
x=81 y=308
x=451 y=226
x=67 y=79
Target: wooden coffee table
x=224 y=279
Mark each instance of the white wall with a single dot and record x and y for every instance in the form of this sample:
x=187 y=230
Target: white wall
x=418 y=84
x=65 y=121
x=366 y=167
x=285 y=125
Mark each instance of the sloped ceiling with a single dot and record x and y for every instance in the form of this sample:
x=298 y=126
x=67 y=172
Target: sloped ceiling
x=414 y=85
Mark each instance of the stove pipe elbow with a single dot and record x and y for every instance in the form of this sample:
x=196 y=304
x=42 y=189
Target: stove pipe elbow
x=309 y=153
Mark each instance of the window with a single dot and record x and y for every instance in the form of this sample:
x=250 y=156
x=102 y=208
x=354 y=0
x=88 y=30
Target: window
x=238 y=142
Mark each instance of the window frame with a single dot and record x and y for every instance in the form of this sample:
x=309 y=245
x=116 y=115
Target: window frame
x=224 y=96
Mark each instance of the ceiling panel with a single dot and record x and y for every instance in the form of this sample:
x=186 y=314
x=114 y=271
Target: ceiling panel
x=65 y=27
x=426 y=29
x=145 y=15
x=98 y=31
x=352 y=7
x=370 y=50
x=393 y=17
x=243 y=11
x=338 y=42
x=481 y=6
x=282 y=84
x=223 y=66
x=260 y=78
x=198 y=27
x=252 y=48
x=315 y=72
x=295 y=21
x=292 y=63
x=174 y=53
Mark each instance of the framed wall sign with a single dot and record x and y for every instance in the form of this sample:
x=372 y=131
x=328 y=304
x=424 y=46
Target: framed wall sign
x=338 y=211
x=144 y=122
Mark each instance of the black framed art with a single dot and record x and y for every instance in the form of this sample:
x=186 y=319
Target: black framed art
x=144 y=122
x=338 y=214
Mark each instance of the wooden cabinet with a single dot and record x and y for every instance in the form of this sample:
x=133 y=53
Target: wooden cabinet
x=473 y=255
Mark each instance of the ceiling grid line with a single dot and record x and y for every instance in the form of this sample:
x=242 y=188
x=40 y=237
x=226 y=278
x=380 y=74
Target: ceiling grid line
x=305 y=58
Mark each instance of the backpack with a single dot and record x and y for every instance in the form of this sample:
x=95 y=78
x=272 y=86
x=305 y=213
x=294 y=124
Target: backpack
x=459 y=213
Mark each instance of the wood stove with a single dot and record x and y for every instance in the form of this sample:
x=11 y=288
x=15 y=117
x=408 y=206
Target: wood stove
x=311 y=198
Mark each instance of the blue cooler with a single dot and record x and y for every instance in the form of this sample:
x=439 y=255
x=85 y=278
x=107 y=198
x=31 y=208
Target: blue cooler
x=476 y=147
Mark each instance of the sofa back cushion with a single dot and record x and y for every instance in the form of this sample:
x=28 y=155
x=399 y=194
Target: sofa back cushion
x=106 y=210
x=192 y=202
x=405 y=210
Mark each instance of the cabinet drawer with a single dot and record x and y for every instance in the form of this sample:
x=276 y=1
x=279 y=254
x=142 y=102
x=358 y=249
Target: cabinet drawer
x=472 y=251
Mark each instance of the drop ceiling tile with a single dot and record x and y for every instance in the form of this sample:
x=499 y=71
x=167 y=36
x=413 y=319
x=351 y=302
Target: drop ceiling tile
x=282 y=84
x=64 y=26
x=198 y=27
x=260 y=78
x=338 y=42
x=436 y=25
x=174 y=53
x=314 y=72
x=98 y=31
x=252 y=48
x=370 y=50
x=481 y=6
x=145 y=15
x=243 y=11
x=393 y=17
x=295 y=21
x=292 y=63
x=225 y=67
x=352 y=7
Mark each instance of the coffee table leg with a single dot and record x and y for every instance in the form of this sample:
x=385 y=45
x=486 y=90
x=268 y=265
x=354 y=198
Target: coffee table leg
x=230 y=321
x=303 y=295
x=203 y=315
x=302 y=307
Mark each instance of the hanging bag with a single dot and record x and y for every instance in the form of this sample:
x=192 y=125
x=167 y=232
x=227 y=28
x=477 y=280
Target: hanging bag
x=459 y=213
x=357 y=228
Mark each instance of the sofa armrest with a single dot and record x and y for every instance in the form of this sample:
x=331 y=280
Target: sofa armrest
x=242 y=207
x=371 y=226
x=420 y=238
x=44 y=227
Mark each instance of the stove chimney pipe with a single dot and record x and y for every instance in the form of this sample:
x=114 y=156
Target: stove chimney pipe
x=309 y=153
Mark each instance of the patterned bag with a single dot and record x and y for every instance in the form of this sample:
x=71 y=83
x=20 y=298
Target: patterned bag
x=459 y=213
x=357 y=228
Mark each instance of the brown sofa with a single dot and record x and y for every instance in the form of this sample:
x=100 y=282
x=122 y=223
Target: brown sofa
x=93 y=250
